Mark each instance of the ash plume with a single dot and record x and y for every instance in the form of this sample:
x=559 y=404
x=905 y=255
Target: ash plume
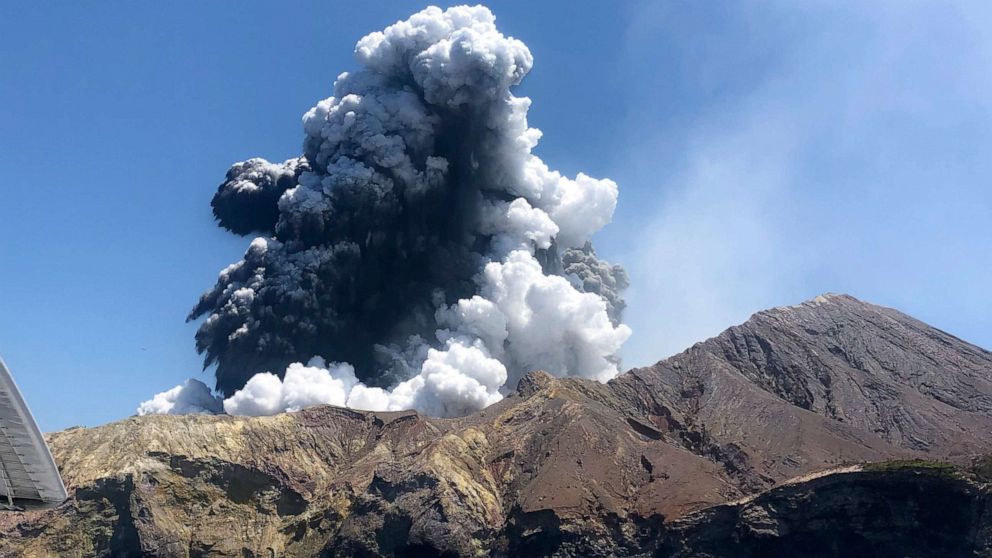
x=248 y=201
x=417 y=243
x=593 y=275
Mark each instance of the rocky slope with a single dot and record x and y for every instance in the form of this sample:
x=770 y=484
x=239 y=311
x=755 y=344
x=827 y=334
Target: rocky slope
x=558 y=463
x=910 y=510
x=831 y=380
x=644 y=465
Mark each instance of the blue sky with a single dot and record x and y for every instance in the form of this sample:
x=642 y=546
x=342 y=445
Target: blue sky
x=765 y=154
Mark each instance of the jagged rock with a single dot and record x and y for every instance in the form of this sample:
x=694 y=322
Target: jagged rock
x=644 y=465
x=908 y=512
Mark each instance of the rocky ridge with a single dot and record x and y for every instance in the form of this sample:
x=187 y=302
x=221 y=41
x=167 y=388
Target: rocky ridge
x=679 y=459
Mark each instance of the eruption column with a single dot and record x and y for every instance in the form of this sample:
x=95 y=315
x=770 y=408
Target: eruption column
x=417 y=243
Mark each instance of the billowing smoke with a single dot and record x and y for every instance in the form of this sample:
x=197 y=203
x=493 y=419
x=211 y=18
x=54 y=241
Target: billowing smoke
x=189 y=397
x=417 y=243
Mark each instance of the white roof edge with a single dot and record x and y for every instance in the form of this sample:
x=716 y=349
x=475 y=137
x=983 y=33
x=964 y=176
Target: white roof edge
x=44 y=473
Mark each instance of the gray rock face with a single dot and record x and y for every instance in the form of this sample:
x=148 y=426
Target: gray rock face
x=872 y=372
x=718 y=451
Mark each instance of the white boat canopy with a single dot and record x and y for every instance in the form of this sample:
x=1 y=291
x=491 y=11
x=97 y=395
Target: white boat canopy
x=28 y=476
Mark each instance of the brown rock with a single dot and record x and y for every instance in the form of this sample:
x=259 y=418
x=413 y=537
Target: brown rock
x=642 y=465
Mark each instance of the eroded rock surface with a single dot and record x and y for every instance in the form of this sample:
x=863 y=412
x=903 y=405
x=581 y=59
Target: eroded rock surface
x=642 y=466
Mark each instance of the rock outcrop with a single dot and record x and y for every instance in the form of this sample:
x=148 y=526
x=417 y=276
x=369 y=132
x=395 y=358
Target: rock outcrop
x=910 y=510
x=690 y=457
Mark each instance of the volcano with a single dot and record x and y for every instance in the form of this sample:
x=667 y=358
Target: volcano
x=830 y=428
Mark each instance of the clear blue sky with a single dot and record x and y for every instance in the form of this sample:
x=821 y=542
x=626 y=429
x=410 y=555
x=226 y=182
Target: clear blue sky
x=765 y=154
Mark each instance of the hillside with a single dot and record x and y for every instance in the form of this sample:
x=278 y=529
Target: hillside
x=827 y=381
x=677 y=459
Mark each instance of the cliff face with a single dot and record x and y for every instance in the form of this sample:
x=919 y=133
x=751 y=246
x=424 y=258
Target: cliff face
x=644 y=465
x=908 y=511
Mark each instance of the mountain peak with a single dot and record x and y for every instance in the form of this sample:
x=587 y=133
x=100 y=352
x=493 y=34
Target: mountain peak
x=857 y=364
x=832 y=298
x=825 y=300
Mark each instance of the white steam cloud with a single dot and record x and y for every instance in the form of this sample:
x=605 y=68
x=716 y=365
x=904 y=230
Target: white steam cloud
x=189 y=397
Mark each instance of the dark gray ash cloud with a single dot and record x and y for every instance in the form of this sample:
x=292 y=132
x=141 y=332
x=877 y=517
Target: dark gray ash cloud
x=417 y=243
